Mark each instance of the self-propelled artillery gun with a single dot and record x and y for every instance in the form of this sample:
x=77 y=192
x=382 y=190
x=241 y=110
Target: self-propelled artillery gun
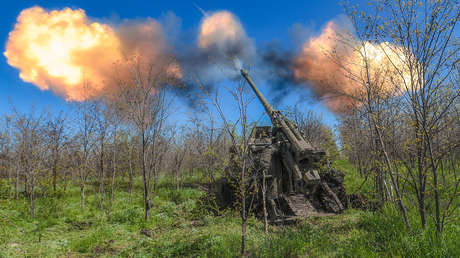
x=291 y=176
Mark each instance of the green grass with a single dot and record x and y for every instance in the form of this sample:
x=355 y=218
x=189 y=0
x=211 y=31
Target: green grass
x=353 y=181
x=179 y=228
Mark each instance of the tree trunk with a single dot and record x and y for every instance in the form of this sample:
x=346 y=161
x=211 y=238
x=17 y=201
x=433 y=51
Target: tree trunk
x=421 y=182
x=243 y=208
x=131 y=179
x=112 y=184
x=243 y=236
x=421 y=208
x=16 y=185
x=54 y=175
x=32 y=198
x=26 y=185
x=65 y=179
x=144 y=177
x=436 y=188
x=101 y=176
x=82 y=196
x=155 y=178
x=264 y=201
x=393 y=181
x=380 y=185
x=177 y=178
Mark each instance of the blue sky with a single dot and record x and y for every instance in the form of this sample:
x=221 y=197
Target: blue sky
x=264 y=22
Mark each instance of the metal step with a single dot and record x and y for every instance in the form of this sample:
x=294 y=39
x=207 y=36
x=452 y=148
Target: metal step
x=300 y=206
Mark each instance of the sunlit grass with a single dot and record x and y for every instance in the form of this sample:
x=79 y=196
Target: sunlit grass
x=177 y=228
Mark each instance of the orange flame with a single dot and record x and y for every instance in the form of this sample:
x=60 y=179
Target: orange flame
x=335 y=67
x=59 y=50
x=63 y=51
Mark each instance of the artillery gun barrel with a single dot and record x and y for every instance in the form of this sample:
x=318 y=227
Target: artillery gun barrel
x=261 y=97
x=300 y=146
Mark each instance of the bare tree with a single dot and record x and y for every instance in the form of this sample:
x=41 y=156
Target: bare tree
x=412 y=119
x=85 y=140
x=114 y=121
x=6 y=150
x=426 y=31
x=31 y=151
x=133 y=153
x=55 y=131
x=372 y=96
x=101 y=130
x=239 y=169
x=140 y=97
x=159 y=140
x=178 y=153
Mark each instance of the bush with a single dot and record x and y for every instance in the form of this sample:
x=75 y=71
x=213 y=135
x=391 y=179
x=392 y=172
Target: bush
x=206 y=205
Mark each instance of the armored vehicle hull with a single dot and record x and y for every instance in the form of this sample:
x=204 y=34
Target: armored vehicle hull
x=292 y=189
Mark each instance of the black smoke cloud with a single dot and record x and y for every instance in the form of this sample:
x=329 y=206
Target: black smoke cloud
x=276 y=65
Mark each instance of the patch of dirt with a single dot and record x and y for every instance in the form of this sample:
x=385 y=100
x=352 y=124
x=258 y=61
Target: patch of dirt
x=147 y=232
x=197 y=223
x=105 y=247
x=80 y=225
x=357 y=201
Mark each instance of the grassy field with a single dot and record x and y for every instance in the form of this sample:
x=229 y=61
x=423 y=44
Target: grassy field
x=179 y=226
